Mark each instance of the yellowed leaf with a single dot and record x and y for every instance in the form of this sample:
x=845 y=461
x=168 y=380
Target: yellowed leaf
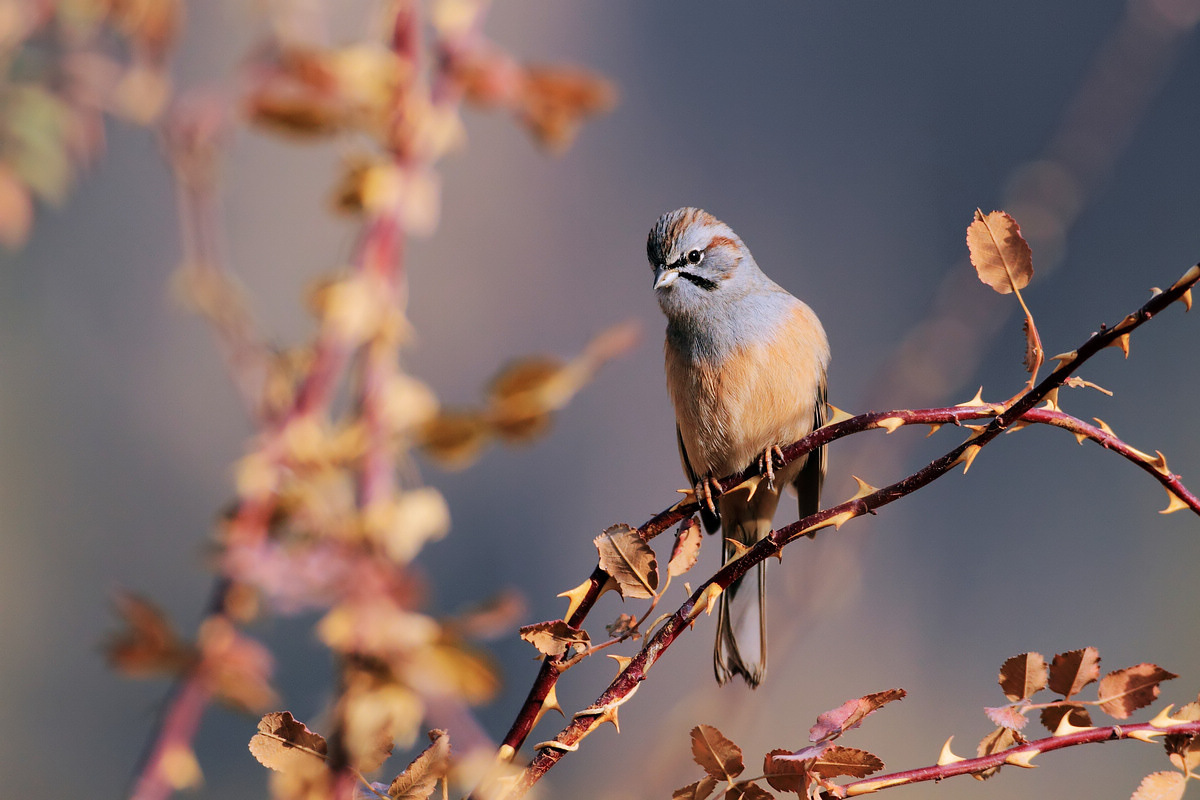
x=555 y=637
x=285 y=744
x=996 y=741
x=999 y=253
x=838 y=760
x=455 y=438
x=1123 y=691
x=700 y=790
x=628 y=559
x=1071 y=671
x=686 y=549
x=419 y=778
x=404 y=523
x=720 y=758
x=1160 y=786
x=786 y=774
x=1023 y=676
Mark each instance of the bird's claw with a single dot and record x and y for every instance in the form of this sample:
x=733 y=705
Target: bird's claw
x=770 y=458
x=707 y=490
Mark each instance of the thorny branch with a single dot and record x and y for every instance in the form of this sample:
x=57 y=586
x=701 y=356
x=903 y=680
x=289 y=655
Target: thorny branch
x=1020 y=410
x=1020 y=755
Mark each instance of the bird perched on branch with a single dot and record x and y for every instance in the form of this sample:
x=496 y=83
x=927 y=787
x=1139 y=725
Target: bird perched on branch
x=746 y=364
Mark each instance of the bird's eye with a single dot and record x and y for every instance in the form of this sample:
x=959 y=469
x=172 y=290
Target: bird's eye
x=695 y=256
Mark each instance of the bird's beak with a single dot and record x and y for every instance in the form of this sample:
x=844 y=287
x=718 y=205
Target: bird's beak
x=665 y=278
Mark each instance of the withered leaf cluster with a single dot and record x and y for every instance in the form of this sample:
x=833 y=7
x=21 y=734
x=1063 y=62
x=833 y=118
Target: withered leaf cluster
x=804 y=772
x=1119 y=694
x=286 y=745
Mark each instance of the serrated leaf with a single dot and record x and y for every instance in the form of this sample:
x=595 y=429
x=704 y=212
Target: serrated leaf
x=747 y=791
x=1160 y=786
x=628 y=559
x=851 y=761
x=686 y=549
x=994 y=742
x=555 y=637
x=1123 y=691
x=1073 y=670
x=285 y=744
x=1007 y=717
x=850 y=714
x=1052 y=717
x=720 y=757
x=1023 y=675
x=786 y=774
x=700 y=790
x=419 y=779
x=999 y=253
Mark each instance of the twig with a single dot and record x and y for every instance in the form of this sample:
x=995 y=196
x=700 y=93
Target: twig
x=1020 y=755
x=604 y=708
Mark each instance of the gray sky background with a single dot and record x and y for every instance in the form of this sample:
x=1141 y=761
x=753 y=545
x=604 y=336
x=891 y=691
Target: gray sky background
x=848 y=144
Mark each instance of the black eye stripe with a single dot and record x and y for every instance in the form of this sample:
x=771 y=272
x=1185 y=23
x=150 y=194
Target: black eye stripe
x=703 y=283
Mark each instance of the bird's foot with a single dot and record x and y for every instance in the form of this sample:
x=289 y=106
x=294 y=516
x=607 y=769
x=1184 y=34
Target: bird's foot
x=707 y=490
x=771 y=458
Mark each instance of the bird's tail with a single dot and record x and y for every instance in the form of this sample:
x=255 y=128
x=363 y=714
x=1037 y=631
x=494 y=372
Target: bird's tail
x=741 y=647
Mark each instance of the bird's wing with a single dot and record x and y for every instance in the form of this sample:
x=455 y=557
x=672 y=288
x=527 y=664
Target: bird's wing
x=711 y=521
x=812 y=474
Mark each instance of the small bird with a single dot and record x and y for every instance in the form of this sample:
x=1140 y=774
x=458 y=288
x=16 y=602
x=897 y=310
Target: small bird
x=746 y=366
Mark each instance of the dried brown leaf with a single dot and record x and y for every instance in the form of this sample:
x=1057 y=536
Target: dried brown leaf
x=1160 y=786
x=524 y=393
x=1023 y=676
x=553 y=101
x=700 y=790
x=1073 y=670
x=622 y=626
x=148 y=645
x=1007 y=716
x=720 y=758
x=747 y=791
x=419 y=779
x=1123 y=691
x=786 y=775
x=1001 y=256
x=455 y=438
x=850 y=714
x=628 y=559
x=285 y=744
x=555 y=637
x=1052 y=717
x=839 y=760
x=994 y=742
x=686 y=549
x=1183 y=750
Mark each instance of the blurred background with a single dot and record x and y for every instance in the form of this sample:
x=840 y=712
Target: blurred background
x=849 y=145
